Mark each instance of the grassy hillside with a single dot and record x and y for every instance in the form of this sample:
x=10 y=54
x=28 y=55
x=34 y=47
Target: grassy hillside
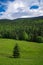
x=31 y=53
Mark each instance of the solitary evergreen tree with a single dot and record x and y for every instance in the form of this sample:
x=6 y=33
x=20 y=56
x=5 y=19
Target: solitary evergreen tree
x=16 y=52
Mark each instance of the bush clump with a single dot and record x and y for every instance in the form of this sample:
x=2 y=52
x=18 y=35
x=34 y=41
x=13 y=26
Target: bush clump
x=39 y=39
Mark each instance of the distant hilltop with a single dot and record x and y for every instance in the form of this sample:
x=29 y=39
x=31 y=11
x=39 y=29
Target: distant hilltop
x=38 y=17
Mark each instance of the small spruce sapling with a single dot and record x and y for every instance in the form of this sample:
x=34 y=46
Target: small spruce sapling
x=16 y=52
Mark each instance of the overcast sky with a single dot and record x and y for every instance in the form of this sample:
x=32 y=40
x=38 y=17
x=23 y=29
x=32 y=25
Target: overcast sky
x=12 y=9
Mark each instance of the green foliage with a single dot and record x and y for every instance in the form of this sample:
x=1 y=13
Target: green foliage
x=22 y=29
x=23 y=35
x=39 y=39
x=16 y=52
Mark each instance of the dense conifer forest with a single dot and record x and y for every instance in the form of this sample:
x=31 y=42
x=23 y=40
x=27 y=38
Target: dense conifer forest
x=29 y=29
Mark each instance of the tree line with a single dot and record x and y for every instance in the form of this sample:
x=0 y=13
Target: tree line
x=22 y=29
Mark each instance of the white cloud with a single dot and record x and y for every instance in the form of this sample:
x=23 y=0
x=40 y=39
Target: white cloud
x=21 y=9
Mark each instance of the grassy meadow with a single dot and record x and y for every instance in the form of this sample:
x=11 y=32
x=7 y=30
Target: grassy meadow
x=31 y=53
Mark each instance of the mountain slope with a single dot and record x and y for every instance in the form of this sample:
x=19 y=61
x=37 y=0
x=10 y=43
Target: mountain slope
x=22 y=29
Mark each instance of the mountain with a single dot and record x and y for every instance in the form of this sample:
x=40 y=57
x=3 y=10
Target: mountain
x=34 y=18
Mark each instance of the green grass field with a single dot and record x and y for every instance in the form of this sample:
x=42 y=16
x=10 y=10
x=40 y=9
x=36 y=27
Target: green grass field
x=31 y=53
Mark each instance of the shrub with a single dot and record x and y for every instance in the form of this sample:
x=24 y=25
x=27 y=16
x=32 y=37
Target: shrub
x=39 y=39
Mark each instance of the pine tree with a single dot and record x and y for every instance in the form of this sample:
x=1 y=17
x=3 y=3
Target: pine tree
x=16 y=52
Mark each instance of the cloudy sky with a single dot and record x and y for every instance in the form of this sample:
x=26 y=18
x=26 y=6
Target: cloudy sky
x=12 y=9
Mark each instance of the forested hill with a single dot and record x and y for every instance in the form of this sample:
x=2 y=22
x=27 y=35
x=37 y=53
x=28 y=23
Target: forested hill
x=21 y=19
x=30 y=29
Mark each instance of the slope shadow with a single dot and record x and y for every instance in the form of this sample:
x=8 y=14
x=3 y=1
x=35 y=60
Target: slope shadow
x=6 y=55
